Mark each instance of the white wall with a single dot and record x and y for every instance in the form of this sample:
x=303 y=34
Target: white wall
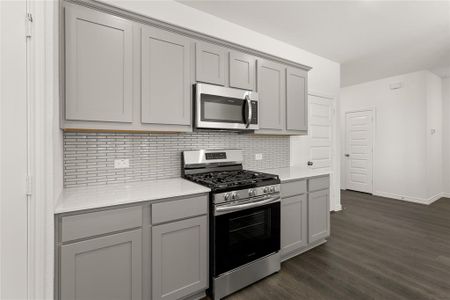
x=446 y=134
x=13 y=152
x=323 y=78
x=434 y=140
x=407 y=158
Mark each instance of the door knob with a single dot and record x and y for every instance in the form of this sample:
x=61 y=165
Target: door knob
x=347 y=155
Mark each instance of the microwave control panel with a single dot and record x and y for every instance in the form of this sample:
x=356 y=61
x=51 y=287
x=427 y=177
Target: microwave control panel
x=254 y=112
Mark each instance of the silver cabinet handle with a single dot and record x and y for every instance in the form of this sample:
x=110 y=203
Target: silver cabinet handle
x=221 y=210
x=250 y=111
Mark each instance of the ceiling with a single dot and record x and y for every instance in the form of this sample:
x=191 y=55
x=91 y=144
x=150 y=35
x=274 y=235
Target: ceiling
x=371 y=39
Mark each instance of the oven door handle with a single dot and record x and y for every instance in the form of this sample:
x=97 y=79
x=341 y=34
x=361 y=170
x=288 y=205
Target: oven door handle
x=221 y=210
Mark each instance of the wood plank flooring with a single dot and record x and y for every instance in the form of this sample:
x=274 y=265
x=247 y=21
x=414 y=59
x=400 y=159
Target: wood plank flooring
x=379 y=249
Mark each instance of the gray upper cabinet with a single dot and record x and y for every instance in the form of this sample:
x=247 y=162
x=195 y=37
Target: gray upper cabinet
x=319 y=215
x=296 y=99
x=242 y=71
x=103 y=268
x=179 y=258
x=98 y=66
x=210 y=63
x=271 y=89
x=294 y=223
x=165 y=88
x=119 y=74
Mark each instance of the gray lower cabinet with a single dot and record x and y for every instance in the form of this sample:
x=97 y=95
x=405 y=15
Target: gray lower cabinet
x=271 y=88
x=103 y=268
x=179 y=258
x=165 y=87
x=294 y=224
x=242 y=71
x=134 y=252
x=305 y=214
x=296 y=100
x=318 y=215
x=210 y=63
x=98 y=66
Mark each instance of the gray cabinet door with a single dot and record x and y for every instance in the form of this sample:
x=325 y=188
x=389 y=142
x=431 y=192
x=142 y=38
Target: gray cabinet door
x=318 y=215
x=296 y=99
x=104 y=268
x=179 y=258
x=294 y=224
x=210 y=62
x=165 y=83
x=98 y=66
x=271 y=89
x=242 y=71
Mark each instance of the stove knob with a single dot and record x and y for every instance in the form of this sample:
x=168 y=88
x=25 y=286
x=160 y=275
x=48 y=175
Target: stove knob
x=272 y=189
x=266 y=190
x=233 y=196
x=251 y=193
x=226 y=196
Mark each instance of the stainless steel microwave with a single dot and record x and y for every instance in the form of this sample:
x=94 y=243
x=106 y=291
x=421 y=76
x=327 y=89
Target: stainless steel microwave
x=225 y=108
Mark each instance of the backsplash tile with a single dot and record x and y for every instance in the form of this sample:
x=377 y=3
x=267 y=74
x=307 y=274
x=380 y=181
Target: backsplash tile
x=89 y=157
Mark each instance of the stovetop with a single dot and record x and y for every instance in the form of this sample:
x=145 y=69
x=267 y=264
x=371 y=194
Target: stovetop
x=220 y=181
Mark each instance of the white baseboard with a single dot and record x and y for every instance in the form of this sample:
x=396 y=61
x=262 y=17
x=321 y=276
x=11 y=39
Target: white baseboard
x=426 y=201
x=338 y=207
x=446 y=195
x=436 y=197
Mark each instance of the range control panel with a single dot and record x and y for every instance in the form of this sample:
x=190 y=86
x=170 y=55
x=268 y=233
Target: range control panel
x=215 y=155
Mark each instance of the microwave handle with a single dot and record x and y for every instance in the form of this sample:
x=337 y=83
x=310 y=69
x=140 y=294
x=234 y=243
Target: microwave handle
x=250 y=111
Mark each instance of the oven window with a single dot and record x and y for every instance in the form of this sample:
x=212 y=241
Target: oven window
x=243 y=236
x=221 y=109
x=255 y=225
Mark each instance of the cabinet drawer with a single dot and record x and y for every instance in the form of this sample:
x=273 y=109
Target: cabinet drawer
x=100 y=222
x=293 y=188
x=179 y=209
x=319 y=183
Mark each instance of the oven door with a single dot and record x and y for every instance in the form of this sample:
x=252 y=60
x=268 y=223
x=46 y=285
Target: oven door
x=225 y=108
x=244 y=233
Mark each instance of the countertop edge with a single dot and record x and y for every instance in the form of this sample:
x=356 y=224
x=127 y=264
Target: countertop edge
x=295 y=178
x=59 y=211
x=62 y=208
x=293 y=173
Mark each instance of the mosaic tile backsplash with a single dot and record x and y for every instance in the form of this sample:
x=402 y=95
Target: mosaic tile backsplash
x=89 y=157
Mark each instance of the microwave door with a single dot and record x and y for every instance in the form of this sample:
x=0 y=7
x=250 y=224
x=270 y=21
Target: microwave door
x=223 y=112
x=225 y=108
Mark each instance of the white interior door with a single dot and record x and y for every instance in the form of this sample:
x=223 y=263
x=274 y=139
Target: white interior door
x=320 y=129
x=359 y=150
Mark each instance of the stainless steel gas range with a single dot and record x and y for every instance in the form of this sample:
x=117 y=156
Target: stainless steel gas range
x=244 y=218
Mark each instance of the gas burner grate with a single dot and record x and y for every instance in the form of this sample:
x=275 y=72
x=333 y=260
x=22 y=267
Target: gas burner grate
x=228 y=179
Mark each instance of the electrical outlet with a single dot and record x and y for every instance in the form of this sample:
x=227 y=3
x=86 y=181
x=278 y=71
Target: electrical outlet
x=258 y=156
x=121 y=163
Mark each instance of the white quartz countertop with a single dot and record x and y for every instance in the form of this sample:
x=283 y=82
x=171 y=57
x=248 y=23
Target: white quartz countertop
x=90 y=197
x=296 y=172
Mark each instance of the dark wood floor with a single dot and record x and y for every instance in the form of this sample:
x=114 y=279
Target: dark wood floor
x=379 y=249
